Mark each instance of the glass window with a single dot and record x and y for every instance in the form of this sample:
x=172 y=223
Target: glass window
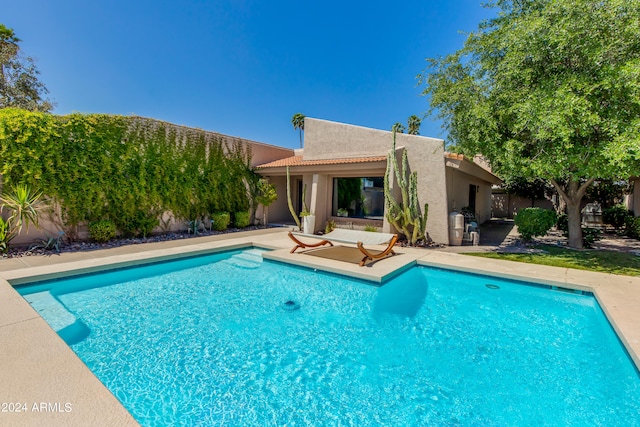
x=358 y=197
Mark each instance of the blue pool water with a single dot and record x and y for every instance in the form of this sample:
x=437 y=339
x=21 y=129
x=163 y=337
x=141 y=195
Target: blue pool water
x=230 y=340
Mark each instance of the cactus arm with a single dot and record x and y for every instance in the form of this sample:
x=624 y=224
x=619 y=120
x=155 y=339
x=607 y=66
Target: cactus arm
x=290 y=203
x=404 y=216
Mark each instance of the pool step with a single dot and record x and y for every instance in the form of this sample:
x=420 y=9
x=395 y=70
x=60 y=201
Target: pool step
x=51 y=310
x=61 y=320
x=251 y=258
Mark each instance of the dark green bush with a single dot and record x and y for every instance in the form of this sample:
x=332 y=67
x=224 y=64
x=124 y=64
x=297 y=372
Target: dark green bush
x=615 y=216
x=563 y=223
x=220 y=220
x=632 y=227
x=102 y=231
x=139 y=223
x=242 y=219
x=533 y=222
x=590 y=235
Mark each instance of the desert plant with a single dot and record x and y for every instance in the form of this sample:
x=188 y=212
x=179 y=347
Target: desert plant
x=405 y=215
x=24 y=207
x=193 y=226
x=4 y=236
x=331 y=225
x=50 y=243
x=533 y=222
x=369 y=227
x=242 y=219
x=290 y=203
x=103 y=230
x=220 y=220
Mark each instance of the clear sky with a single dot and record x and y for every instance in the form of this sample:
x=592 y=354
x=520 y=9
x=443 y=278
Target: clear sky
x=242 y=67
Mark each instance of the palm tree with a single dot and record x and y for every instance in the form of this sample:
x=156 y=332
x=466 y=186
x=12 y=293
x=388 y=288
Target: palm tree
x=298 y=123
x=413 y=122
x=398 y=127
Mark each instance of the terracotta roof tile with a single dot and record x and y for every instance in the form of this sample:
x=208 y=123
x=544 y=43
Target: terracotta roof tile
x=298 y=161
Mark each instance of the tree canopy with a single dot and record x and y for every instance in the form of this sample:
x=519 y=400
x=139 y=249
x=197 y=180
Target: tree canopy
x=547 y=89
x=19 y=83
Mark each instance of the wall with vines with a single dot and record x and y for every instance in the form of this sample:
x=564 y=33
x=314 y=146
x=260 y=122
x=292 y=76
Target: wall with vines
x=126 y=169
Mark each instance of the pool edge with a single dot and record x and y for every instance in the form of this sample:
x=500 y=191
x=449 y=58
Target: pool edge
x=618 y=296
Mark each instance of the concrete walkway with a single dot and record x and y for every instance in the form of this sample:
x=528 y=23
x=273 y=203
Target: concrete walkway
x=40 y=370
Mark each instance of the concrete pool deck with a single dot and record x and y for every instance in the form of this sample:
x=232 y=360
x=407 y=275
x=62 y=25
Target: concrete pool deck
x=43 y=382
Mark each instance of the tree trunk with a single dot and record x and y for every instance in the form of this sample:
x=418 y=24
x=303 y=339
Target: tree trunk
x=572 y=193
x=575 y=221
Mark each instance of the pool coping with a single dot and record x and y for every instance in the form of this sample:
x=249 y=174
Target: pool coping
x=41 y=369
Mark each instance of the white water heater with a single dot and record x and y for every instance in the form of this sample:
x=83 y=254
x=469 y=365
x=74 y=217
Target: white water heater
x=456 y=228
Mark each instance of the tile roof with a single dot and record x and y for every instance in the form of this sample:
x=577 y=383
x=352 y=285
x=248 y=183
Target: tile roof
x=297 y=161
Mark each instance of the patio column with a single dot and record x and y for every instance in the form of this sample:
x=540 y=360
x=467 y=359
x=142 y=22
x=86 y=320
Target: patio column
x=313 y=205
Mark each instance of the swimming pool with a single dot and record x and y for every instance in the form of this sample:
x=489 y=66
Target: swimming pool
x=214 y=341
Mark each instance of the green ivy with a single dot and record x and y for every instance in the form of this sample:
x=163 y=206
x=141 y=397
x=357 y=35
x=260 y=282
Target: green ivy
x=125 y=169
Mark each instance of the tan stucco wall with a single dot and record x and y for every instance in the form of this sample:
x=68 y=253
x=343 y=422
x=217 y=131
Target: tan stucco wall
x=279 y=210
x=505 y=205
x=264 y=153
x=327 y=140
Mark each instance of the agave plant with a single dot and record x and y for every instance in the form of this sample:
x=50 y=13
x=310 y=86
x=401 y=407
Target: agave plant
x=24 y=207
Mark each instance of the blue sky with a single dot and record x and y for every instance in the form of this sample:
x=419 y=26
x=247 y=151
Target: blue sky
x=242 y=67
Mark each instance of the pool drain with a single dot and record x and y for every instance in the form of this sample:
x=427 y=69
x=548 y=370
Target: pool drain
x=490 y=286
x=291 y=306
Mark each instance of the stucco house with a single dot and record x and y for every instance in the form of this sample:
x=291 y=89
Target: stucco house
x=342 y=168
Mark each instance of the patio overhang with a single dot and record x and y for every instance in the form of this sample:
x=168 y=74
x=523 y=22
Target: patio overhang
x=465 y=165
x=299 y=166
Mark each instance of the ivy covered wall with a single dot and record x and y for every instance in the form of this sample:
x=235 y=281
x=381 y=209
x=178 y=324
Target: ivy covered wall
x=126 y=169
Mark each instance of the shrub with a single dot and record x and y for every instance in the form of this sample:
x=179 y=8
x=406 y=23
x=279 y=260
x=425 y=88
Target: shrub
x=615 y=216
x=563 y=223
x=102 y=231
x=632 y=227
x=590 y=235
x=140 y=222
x=220 y=220
x=533 y=222
x=242 y=219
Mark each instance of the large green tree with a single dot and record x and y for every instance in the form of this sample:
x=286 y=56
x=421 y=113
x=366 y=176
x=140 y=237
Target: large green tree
x=19 y=83
x=549 y=89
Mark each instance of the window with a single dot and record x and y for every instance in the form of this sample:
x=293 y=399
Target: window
x=358 y=197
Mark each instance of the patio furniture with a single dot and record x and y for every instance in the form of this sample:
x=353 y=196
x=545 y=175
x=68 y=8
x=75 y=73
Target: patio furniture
x=356 y=237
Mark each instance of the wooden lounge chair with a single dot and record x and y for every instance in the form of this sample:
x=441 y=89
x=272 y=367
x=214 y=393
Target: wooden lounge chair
x=359 y=238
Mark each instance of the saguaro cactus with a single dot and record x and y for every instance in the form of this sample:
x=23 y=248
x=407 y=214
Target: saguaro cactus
x=405 y=215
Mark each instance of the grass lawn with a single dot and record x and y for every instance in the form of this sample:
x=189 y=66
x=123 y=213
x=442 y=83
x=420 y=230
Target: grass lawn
x=591 y=260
